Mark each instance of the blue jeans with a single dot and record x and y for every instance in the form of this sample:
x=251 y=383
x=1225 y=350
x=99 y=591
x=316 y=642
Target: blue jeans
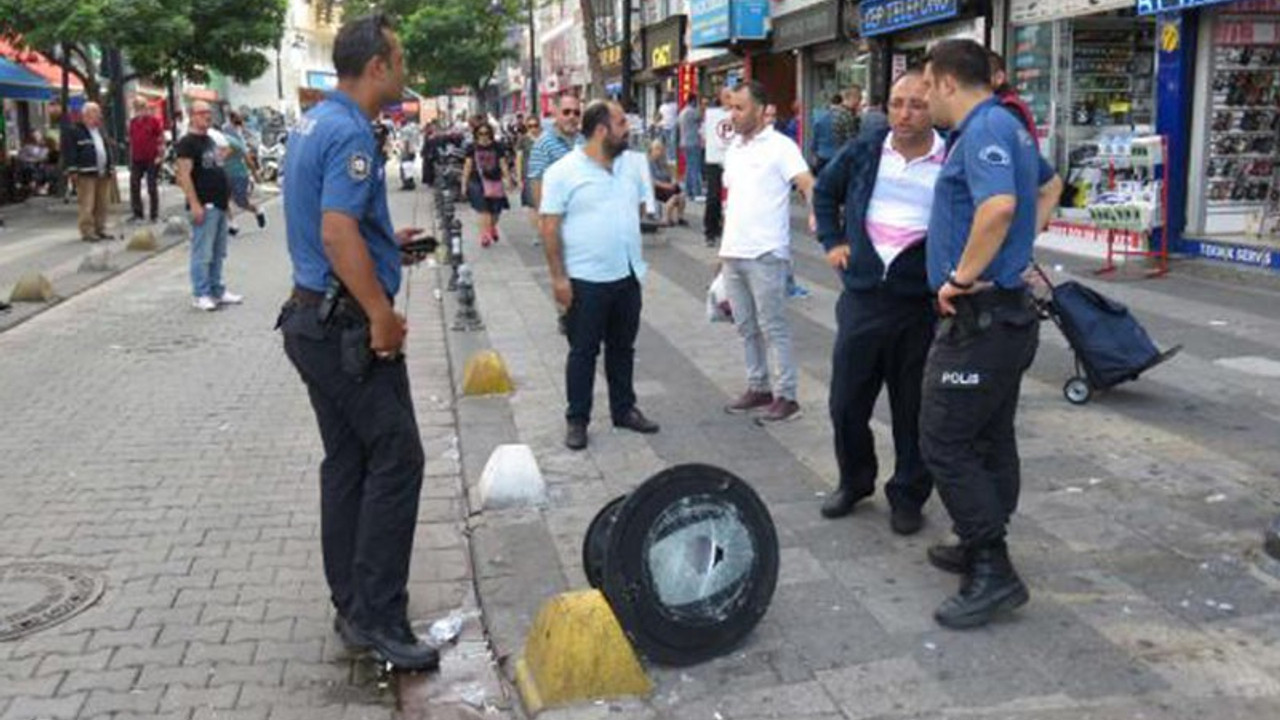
x=208 y=249
x=693 y=171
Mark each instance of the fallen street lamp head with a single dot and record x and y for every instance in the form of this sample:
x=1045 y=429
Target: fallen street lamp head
x=688 y=562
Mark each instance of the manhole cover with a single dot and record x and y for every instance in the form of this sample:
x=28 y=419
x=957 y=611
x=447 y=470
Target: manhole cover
x=37 y=595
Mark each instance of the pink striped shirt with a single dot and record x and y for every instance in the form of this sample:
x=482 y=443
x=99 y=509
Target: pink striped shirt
x=898 y=216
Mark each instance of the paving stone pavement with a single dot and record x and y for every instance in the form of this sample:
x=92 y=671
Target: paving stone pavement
x=175 y=451
x=1138 y=532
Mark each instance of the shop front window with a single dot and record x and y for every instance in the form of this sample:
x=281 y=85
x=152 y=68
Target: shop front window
x=1241 y=178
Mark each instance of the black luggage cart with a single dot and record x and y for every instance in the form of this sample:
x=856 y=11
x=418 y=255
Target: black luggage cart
x=1107 y=342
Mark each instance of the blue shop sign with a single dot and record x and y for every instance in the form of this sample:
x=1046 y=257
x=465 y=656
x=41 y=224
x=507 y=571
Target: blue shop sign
x=749 y=19
x=885 y=16
x=1151 y=7
x=718 y=22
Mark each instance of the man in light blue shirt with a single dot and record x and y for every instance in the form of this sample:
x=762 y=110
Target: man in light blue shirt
x=590 y=226
x=555 y=142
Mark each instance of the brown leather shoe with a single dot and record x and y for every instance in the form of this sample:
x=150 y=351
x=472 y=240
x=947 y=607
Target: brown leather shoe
x=750 y=400
x=782 y=410
x=636 y=421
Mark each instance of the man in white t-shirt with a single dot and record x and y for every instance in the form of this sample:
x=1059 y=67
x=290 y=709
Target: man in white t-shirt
x=669 y=110
x=760 y=167
x=717 y=132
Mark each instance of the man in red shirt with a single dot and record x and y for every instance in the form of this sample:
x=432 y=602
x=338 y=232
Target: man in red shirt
x=146 y=152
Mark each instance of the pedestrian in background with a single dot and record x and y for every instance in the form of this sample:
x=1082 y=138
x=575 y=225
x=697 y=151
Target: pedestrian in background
x=668 y=112
x=717 y=132
x=844 y=119
x=872 y=204
x=995 y=192
x=348 y=351
x=93 y=163
x=666 y=190
x=242 y=172
x=761 y=166
x=533 y=131
x=824 y=138
x=485 y=175
x=146 y=151
x=690 y=125
x=590 y=225
x=204 y=183
x=558 y=141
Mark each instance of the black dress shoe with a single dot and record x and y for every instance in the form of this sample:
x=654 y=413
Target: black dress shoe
x=403 y=649
x=575 y=438
x=635 y=420
x=105 y=236
x=906 y=521
x=351 y=635
x=949 y=558
x=840 y=503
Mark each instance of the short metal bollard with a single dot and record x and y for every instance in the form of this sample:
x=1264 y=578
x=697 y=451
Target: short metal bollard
x=455 y=252
x=468 y=317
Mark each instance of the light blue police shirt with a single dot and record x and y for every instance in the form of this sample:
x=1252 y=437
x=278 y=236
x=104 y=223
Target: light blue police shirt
x=600 y=216
x=333 y=165
x=990 y=153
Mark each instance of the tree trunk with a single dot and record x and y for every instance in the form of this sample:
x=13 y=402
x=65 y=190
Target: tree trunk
x=593 y=48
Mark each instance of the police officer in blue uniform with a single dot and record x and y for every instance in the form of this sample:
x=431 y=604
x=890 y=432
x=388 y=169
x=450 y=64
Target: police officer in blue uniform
x=994 y=194
x=344 y=336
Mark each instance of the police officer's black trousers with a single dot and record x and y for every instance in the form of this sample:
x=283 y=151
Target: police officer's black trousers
x=713 y=216
x=882 y=340
x=371 y=475
x=971 y=385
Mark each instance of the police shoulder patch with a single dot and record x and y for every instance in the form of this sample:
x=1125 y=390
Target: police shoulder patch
x=358 y=166
x=994 y=155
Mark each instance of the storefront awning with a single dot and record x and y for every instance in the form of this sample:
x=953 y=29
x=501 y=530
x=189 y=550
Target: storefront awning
x=19 y=83
x=40 y=65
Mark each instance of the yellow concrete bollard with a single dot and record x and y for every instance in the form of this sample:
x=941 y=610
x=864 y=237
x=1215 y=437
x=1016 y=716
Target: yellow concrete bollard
x=576 y=651
x=486 y=374
x=143 y=241
x=32 y=287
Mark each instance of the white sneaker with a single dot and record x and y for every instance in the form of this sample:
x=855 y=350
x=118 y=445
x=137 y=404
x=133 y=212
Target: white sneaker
x=230 y=298
x=206 y=303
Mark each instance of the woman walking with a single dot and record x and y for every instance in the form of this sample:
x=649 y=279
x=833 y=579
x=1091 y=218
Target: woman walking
x=485 y=174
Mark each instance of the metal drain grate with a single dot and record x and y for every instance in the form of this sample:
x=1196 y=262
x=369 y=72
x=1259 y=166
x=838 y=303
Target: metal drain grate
x=39 y=595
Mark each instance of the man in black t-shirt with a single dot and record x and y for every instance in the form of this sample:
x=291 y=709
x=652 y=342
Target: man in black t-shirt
x=204 y=182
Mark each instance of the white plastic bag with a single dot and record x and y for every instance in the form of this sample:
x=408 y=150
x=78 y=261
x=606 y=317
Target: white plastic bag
x=718 y=309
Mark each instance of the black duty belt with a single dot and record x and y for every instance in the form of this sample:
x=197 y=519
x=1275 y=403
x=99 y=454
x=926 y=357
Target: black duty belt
x=303 y=296
x=992 y=298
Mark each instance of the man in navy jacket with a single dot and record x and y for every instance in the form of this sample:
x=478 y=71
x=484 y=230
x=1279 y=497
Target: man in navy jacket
x=872 y=204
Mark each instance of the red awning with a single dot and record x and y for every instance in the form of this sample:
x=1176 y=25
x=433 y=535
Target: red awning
x=40 y=65
x=199 y=93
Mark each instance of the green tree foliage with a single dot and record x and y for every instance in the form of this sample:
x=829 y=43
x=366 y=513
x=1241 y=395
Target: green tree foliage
x=449 y=43
x=158 y=37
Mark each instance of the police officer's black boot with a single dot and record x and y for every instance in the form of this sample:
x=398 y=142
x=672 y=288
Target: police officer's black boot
x=991 y=586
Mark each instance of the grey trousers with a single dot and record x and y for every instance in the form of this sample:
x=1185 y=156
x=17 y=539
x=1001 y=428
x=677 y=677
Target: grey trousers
x=757 y=291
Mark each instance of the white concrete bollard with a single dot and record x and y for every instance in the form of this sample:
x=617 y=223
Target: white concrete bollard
x=511 y=478
x=97 y=261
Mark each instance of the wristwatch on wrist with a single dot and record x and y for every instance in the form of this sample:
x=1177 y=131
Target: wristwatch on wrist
x=951 y=280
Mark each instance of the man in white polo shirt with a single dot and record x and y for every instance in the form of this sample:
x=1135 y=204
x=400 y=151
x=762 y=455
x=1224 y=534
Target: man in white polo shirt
x=760 y=168
x=883 y=181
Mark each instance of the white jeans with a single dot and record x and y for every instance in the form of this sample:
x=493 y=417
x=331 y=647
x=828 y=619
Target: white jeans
x=757 y=291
